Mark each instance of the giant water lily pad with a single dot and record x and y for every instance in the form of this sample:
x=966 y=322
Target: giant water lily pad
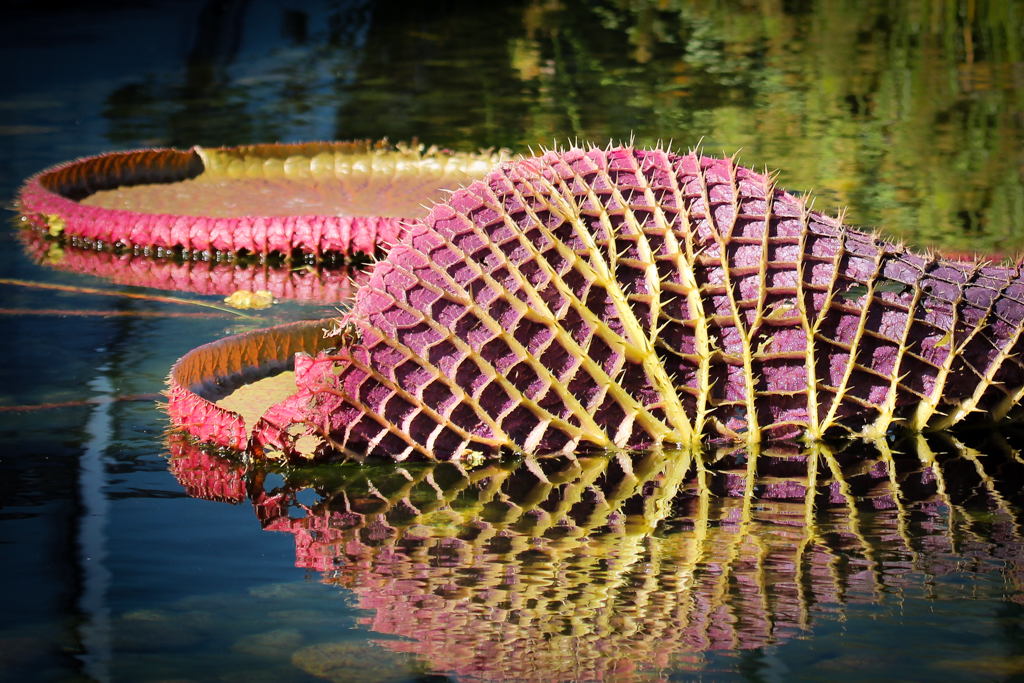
x=317 y=198
x=624 y=298
x=213 y=371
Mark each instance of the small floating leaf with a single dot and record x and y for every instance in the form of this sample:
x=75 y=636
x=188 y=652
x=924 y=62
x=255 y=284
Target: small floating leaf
x=894 y=287
x=945 y=340
x=245 y=299
x=853 y=293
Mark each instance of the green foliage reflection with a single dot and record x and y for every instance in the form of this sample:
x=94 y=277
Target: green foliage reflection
x=910 y=113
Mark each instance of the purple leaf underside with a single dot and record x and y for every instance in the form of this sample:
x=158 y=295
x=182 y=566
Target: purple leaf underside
x=625 y=298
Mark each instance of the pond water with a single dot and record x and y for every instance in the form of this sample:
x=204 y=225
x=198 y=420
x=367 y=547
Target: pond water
x=128 y=554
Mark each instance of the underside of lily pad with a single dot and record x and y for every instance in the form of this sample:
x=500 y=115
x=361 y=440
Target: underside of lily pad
x=314 y=198
x=623 y=298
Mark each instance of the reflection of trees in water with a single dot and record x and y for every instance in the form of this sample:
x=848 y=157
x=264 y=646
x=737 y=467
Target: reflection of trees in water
x=622 y=565
x=909 y=112
x=203 y=108
x=175 y=113
x=219 y=98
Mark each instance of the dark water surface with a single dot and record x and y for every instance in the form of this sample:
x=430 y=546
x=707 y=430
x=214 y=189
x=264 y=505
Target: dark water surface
x=126 y=556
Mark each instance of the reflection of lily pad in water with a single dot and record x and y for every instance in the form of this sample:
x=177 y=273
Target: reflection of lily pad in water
x=309 y=283
x=318 y=198
x=355 y=662
x=616 y=567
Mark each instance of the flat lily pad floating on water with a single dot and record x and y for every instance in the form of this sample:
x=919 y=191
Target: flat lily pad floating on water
x=623 y=298
x=337 y=198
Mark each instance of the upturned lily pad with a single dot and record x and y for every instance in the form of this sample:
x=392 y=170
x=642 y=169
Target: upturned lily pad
x=317 y=198
x=622 y=298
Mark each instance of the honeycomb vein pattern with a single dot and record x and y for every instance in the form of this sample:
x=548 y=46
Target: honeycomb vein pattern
x=627 y=298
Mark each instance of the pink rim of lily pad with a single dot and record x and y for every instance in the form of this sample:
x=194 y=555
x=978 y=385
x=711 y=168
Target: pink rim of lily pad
x=52 y=200
x=213 y=370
